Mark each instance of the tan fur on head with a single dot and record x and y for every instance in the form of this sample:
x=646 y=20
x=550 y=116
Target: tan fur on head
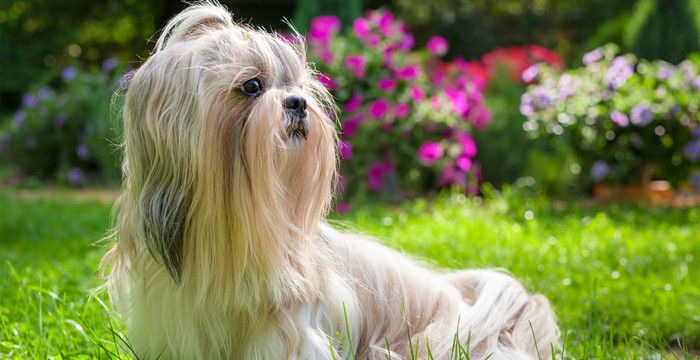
x=222 y=250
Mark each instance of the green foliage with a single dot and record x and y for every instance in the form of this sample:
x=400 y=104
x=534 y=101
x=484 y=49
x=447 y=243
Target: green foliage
x=345 y=10
x=65 y=129
x=620 y=278
x=664 y=29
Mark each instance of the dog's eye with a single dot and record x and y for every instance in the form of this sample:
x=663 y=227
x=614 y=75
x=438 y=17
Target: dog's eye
x=252 y=87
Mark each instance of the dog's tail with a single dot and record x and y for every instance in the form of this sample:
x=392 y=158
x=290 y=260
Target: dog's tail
x=504 y=321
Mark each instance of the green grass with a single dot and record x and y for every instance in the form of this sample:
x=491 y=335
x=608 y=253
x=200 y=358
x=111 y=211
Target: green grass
x=621 y=278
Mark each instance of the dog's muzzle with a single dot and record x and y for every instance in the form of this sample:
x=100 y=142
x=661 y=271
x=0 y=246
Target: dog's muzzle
x=295 y=106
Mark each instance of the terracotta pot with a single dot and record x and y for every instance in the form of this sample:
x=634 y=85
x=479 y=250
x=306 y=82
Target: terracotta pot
x=655 y=192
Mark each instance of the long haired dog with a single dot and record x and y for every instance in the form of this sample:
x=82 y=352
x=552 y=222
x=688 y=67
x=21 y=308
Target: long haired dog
x=223 y=251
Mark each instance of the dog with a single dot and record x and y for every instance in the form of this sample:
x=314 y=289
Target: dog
x=221 y=247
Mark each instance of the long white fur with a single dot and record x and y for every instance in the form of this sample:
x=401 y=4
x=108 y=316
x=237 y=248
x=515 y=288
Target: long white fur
x=222 y=250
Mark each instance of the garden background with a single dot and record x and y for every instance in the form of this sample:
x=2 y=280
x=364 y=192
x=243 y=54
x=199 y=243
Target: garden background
x=557 y=139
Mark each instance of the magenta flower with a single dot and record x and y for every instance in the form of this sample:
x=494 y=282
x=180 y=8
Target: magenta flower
x=345 y=150
x=458 y=99
x=323 y=28
x=430 y=152
x=407 y=42
x=361 y=28
x=386 y=84
x=401 y=110
x=468 y=144
x=482 y=118
x=342 y=208
x=417 y=94
x=353 y=103
x=376 y=173
x=378 y=108
x=327 y=81
x=408 y=72
x=448 y=174
x=463 y=162
x=386 y=20
x=437 y=45
x=356 y=64
x=350 y=126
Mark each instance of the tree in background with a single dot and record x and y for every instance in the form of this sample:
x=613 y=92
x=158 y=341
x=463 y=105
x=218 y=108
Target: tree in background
x=664 y=29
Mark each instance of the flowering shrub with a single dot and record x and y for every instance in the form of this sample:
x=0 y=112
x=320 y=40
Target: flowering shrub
x=64 y=132
x=406 y=116
x=629 y=120
x=515 y=61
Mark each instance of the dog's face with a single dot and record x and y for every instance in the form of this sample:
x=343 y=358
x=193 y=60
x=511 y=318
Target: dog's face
x=225 y=128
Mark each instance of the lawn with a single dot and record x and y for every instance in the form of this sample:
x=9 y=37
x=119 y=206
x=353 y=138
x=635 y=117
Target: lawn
x=619 y=277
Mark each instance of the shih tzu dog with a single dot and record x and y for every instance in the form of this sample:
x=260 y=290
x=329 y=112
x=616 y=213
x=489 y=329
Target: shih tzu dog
x=222 y=249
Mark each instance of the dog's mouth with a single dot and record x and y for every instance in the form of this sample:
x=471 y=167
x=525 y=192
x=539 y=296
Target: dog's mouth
x=298 y=130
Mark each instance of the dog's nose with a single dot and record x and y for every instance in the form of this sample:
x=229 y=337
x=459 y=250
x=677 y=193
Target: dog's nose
x=296 y=103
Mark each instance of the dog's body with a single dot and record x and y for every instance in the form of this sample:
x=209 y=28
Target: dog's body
x=223 y=251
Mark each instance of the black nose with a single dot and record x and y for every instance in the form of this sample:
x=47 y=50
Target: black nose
x=296 y=103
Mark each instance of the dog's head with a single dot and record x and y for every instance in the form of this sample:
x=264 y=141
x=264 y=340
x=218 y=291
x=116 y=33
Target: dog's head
x=229 y=143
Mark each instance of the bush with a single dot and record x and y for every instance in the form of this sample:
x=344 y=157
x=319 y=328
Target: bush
x=629 y=121
x=64 y=133
x=406 y=114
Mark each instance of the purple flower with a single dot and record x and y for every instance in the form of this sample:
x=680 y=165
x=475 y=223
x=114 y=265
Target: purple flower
x=401 y=110
x=530 y=73
x=641 y=115
x=619 y=119
x=109 y=64
x=322 y=28
x=407 y=42
x=386 y=84
x=696 y=132
x=378 y=108
x=593 y=56
x=692 y=151
x=345 y=150
x=527 y=106
x=696 y=82
x=68 y=73
x=29 y=100
x=430 y=152
x=83 y=152
x=356 y=64
x=408 y=72
x=376 y=173
x=567 y=86
x=342 y=208
x=417 y=94
x=327 y=81
x=353 y=103
x=542 y=97
x=695 y=180
x=60 y=120
x=437 y=45
x=664 y=73
x=350 y=126
x=620 y=70
x=19 y=119
x=599 y=170
x=45 y=93
x=75 y=176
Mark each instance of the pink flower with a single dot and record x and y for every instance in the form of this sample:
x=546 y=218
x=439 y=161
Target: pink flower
x=353 y=103
x=407 y=42
x=323 y=28
x=464 y=163
x=350 y=126
x=345 y=150
x=343 y=208
x=483 y=117
x=386 y=20
x=327 y=81
x=376 y=173
x=379 y=108
x=356 y=64
x=447 y=175
x=361 y=28
x=401 y=110
x=437 y=45
x=417 y=94
x=430 y=152
x=435 y=102
x=438 y=78
x=458 y=100
x=386 y=84
x=408 y=72
x=468 y=144
x=388 y=127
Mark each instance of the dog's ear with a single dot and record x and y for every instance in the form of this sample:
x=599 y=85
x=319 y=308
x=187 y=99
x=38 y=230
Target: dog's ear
x=164 y=212
x=194 y=21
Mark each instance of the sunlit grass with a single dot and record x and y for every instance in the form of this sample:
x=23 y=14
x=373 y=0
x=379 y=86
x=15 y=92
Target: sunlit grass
x=620 y=277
